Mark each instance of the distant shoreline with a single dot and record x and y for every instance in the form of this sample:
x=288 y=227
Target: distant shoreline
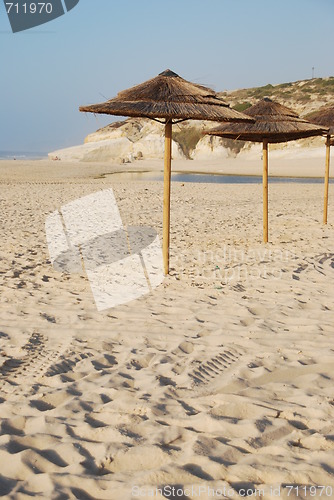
x=303 y=168
x=22 y=155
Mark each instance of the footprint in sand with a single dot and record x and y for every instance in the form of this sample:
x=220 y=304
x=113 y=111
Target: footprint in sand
x=215 y=366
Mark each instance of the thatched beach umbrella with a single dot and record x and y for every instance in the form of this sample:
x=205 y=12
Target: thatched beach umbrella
x=274 y=123
x=325 y=118
x=170 y=98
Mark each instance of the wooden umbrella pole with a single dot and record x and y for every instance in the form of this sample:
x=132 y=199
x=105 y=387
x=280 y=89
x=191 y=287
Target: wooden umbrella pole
x=326 y=178
x=166 y=207
x=265 y=190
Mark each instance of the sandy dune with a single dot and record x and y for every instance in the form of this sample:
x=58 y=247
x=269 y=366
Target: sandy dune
x=220 y=380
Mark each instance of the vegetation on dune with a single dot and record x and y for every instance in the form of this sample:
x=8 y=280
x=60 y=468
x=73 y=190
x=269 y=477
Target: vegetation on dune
x=187 y=138
x=289 y=93
x=234 y=146
x=242 y=106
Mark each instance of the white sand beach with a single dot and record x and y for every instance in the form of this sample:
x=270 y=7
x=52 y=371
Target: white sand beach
x=220 y=381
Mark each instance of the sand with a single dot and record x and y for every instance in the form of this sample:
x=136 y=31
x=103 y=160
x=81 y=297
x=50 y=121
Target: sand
x=218 y=383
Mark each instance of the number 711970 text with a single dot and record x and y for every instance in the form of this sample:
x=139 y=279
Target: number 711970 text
x=29 y=8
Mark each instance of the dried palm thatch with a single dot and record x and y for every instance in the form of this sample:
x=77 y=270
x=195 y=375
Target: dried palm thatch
x=274 y=123
x=170 y=98
x=324 y=117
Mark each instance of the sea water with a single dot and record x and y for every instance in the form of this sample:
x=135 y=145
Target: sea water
x=22 y=155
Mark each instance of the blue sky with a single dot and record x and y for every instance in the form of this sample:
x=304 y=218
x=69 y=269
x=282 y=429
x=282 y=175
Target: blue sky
x=104 y=46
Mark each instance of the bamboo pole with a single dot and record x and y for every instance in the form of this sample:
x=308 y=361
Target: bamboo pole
x=326 y=178
x=166 y=203
x=265 y=190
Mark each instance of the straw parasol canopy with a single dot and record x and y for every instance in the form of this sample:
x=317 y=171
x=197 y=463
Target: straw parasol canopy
x=274 y=123
x=169 y=98
x=325 y=118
